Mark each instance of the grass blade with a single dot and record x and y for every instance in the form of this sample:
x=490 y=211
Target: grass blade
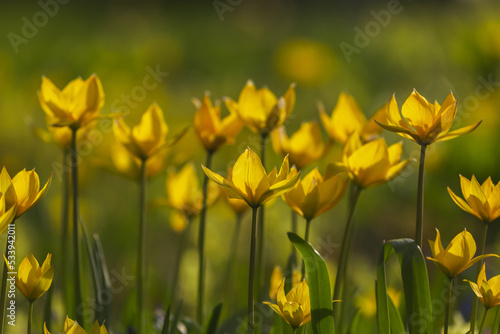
x=166 y=322
x=213 y=320
x=319 y=286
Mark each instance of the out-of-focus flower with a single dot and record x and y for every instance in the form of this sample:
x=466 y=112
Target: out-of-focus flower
x=372 y=163
x=78 y=104
x=315 y=194
x=367 y=303
x=211 y=129
x=124 y=163
x=185 y=197
x=7 y=214
x=23 y=190
x=303 y=147
x=32 y=280
x=295 y=307
x=251 y=183
x=145 y=139
x=458 y=256
x=483 y=201
x=347 y=118
x=488 y=291
x=423 y=122
x=72 y=327
x=276 y=279
x=260 y=109
x=305 y=61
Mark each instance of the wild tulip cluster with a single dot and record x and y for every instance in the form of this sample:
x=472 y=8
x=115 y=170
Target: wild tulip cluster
x=299 y=299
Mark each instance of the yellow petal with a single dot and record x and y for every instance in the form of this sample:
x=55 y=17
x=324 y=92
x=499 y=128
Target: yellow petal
x=459 y=132
x=461 y=203
x=347 y=118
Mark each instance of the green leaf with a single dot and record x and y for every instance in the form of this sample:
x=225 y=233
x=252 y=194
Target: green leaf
x=166 y=322
x=213 y=320
x=175 y=320
x=105 y=283
x=319 y=286
x=496 y=323
x=416 y=289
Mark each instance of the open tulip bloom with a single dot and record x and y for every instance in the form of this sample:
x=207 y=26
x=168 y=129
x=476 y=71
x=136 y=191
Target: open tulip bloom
x=72 y=327
x=488 y=291
x=347 y=119
x=483 y=201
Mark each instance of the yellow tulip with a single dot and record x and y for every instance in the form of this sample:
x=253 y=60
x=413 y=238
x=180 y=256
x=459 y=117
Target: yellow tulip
x=483 y=201
x=372 y=163
x=260 y=109
x=251 y=183
x=315 y=194
x=6 y=214
x=458 y=256
x=277 y=277
x=23 y=190
x=72 y=327
x=238 y=206
x=211 y=129
x=145 y=139
x=295 y=307
x=303 y=147
x=184 y=196
x=32 y=280
x=488 y=291
x=78 y=104
x=347 y=118
x=367 y=303
x=423 y=122
x=126 y=164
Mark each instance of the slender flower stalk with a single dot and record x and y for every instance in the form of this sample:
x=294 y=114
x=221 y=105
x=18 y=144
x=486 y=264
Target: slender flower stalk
x=260 y=228
x=448 y=308
x=30 y=316
x=344 y=250
x=77 y=258
x=251 y=275
x=483 y=320
x=306 y=238
x=65 y=255
x=420 y=197
x=201 y=243
x=141 y=246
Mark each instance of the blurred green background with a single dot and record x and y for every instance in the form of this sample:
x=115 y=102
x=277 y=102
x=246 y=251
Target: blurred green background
x=435 y=47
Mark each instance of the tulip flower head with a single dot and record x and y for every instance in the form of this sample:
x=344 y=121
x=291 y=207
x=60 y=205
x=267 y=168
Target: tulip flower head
x=211 y=129
x=483 y=201
x=238 y=206
x=423 y=122
x=372 y=163
x=260 y=109
x=315 y=194
x=347 y=119
x=22 y=191
x=251 y=183
x=78 y=104
x=488 y=291
x=32 y=280
x=303 y=147
x=145 y=139
x=295 y=307
x=458 y=256
x=126 y=164
x=72 y=327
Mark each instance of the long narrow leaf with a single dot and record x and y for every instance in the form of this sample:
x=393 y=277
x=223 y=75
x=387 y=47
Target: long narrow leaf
x=175 y=320
x=105 y=305
x=319 y=286
x=416 y=289
x=166 y=322
x=214 y=319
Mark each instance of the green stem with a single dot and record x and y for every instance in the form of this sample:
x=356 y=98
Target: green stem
x=420 y=197
x=233 y=250
x=344 y=249
x=77 y=260
x=30 y=316
x=306 y=238
x=3 y=293
x=483 y=320
x=260 y=230
x=496 y=323
x=65 y=254
x=251 y=275
x=448 y=308
x=177 y=265
x=201 y=244
x=478 y=270
x=293 y=252
x=141 y=247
